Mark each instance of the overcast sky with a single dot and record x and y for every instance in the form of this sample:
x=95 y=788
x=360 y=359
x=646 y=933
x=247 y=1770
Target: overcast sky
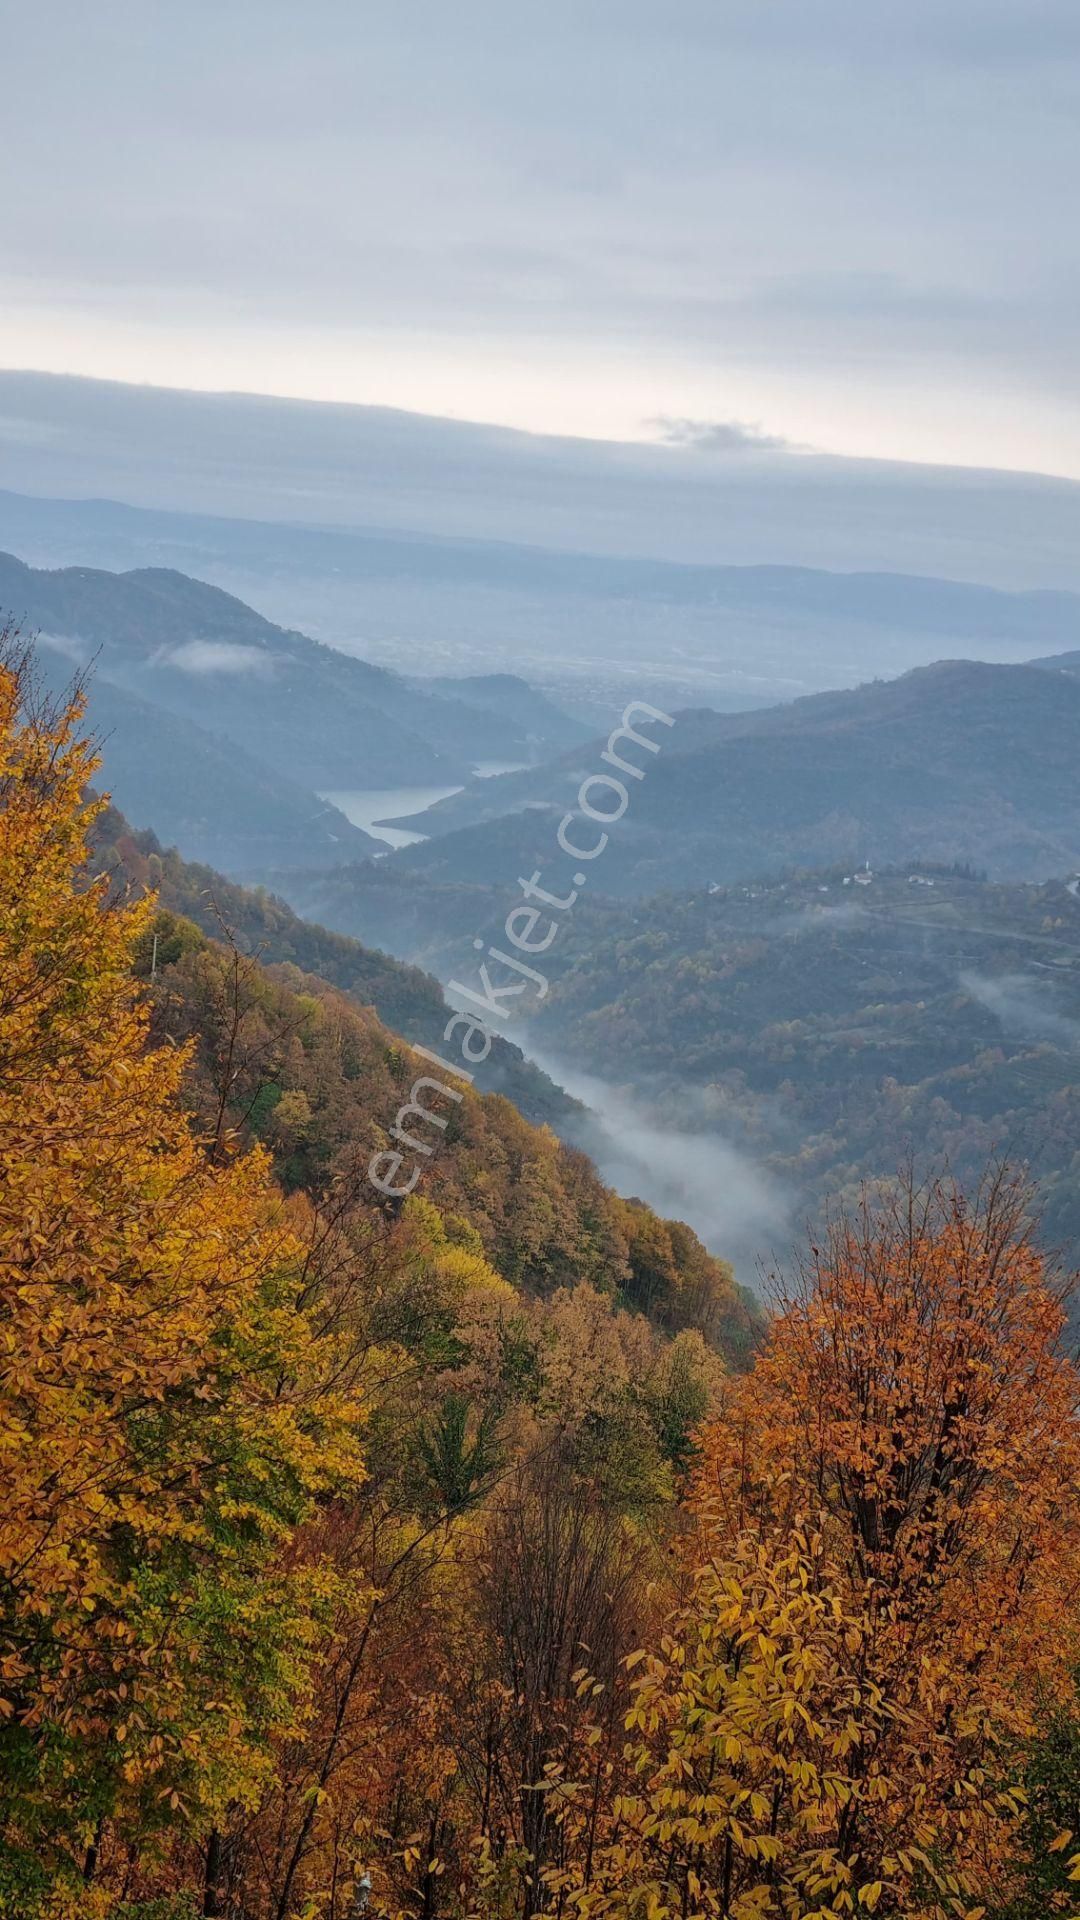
x=849 y=224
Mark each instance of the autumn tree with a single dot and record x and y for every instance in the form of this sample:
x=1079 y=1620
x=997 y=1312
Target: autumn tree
x=169 y=1410
x=522 y=1456
x=882 y=1590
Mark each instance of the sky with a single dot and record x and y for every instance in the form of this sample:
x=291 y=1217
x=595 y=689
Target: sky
x=846 y=225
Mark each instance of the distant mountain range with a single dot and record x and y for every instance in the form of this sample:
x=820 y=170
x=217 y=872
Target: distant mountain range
x=225 y=728
x=590 y=628
x=323 y=465
x=962 y=761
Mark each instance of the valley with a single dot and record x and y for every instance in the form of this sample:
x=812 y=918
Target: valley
x=540 y=962
x=799 y=1035
x=744 y=1051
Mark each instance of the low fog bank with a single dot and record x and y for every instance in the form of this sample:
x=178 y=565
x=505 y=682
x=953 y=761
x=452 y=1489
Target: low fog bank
x=736 y=1207
x=1023 y=1006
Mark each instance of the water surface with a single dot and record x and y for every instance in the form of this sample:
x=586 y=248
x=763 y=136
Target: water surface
x=366 y=806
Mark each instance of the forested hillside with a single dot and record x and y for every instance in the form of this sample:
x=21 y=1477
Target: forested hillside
x=361 y=1560
x=830 y=1025
x=264 y=925
x=540 y=962
x=837 y=1030
x=282 y=1058
x=218 y=1331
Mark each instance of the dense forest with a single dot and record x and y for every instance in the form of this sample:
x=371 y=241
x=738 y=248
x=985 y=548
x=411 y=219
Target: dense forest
x=832 y=1025
x=263 y=925
x=836 y=1030
x=483 y=1555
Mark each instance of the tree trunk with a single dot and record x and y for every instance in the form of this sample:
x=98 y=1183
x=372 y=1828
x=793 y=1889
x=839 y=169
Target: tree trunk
x=212 y=1883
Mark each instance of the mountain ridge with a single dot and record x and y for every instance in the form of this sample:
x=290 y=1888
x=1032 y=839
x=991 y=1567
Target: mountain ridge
x=962 y=760
x=211 y=715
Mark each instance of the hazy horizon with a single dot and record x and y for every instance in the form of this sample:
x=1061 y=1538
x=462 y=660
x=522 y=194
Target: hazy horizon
x=343 y=465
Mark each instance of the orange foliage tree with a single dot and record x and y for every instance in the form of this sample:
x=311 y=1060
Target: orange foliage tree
x=881 y=1588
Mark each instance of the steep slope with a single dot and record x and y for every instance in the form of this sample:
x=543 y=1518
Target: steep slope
x=211 y=798
x=321 y=1081
x=408 y=1000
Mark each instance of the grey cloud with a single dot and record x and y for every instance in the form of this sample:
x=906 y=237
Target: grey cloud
x=716 y=436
